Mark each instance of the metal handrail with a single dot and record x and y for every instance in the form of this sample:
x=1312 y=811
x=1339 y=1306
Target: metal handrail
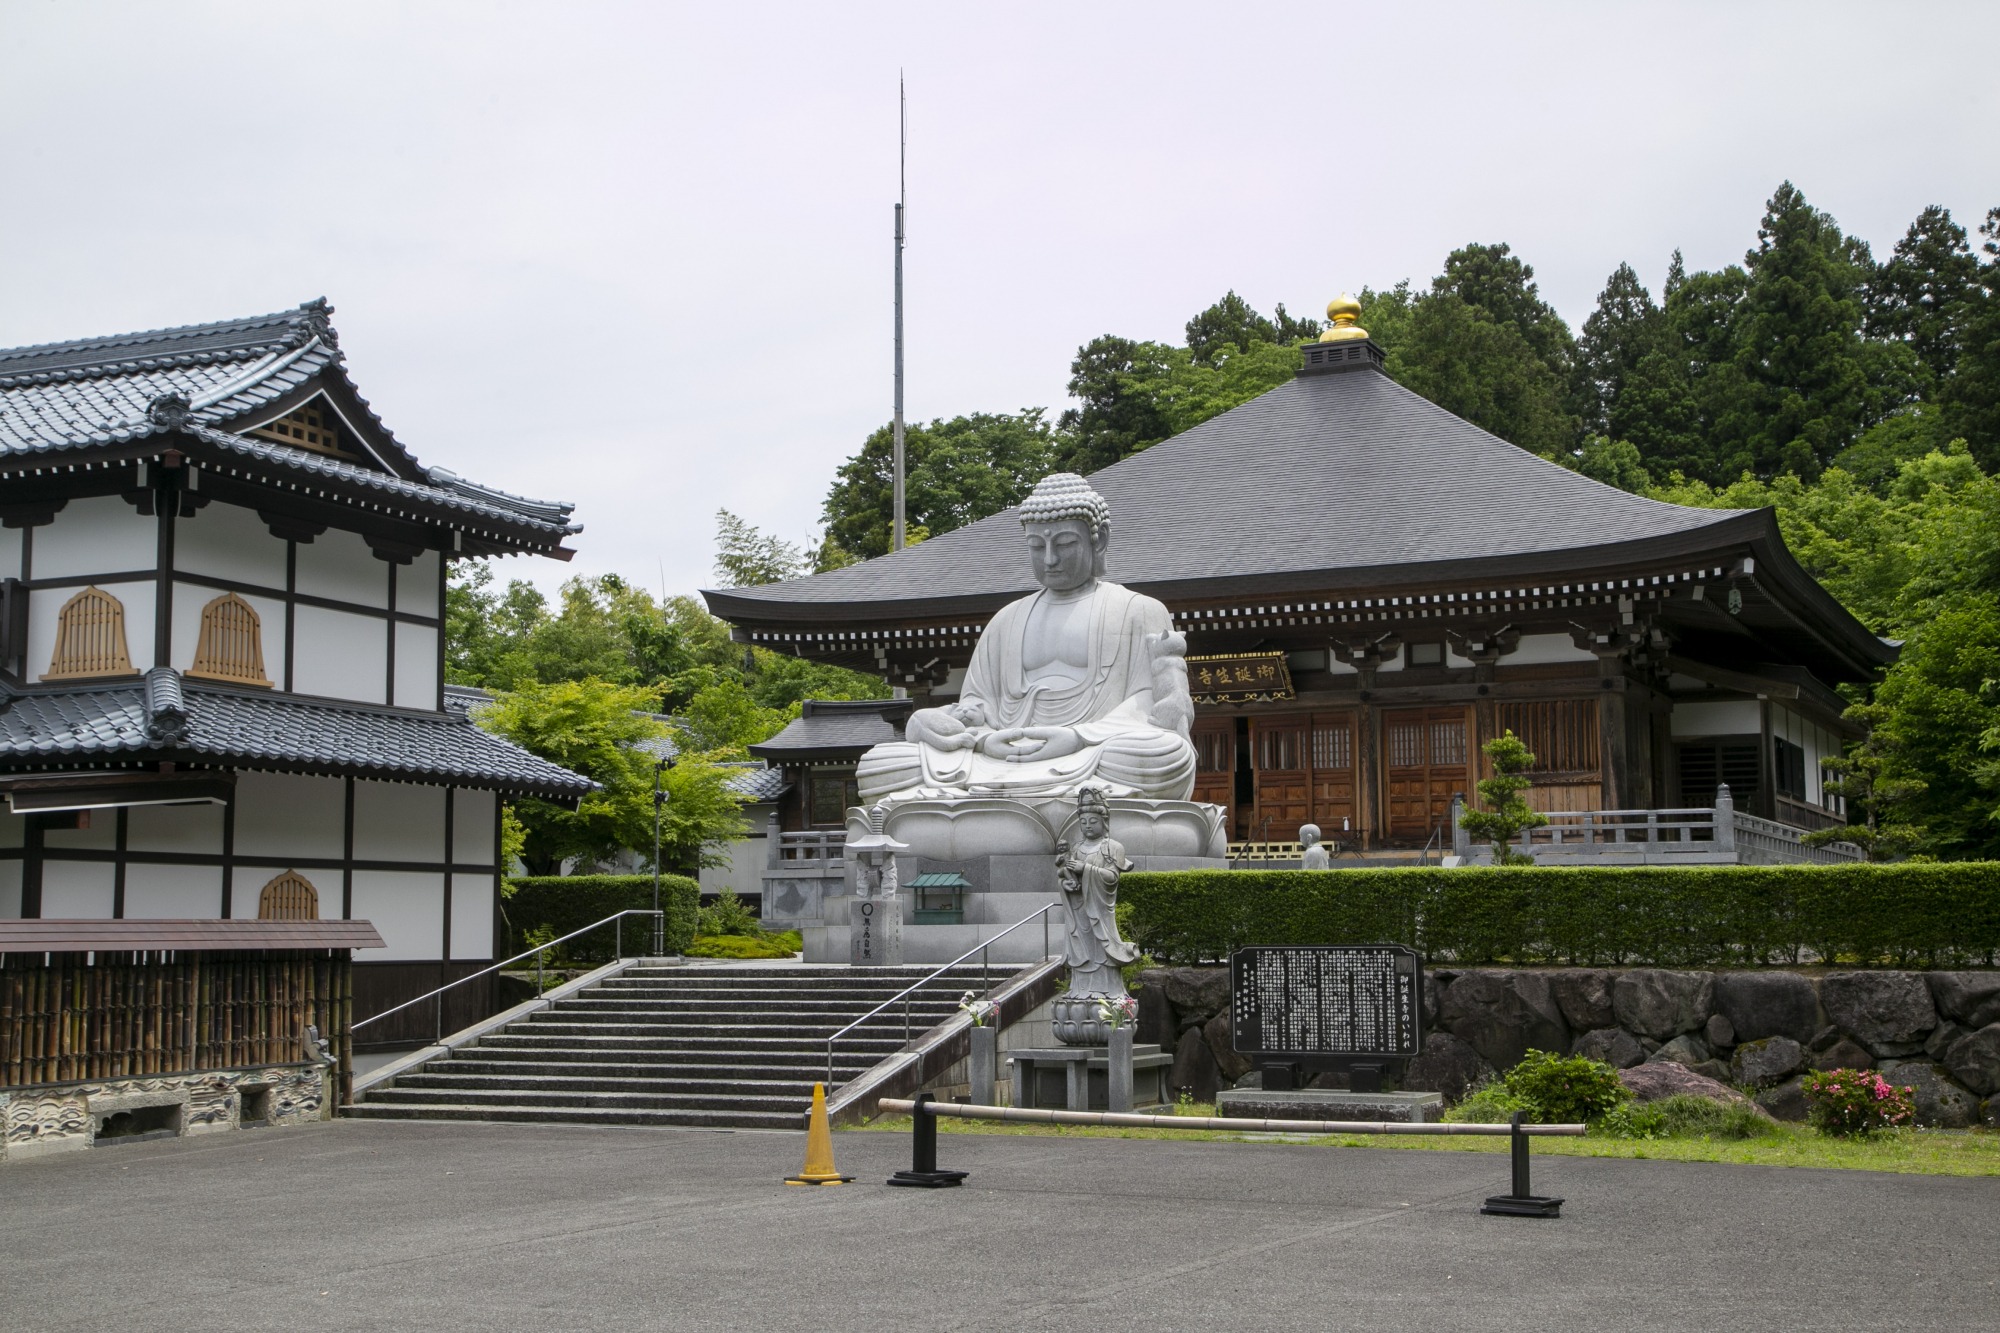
x=537 y=952
x=985 y=981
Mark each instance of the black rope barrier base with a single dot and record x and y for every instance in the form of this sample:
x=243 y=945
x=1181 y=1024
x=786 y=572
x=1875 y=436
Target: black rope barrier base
x=923 y=1173
x=1521 y=1201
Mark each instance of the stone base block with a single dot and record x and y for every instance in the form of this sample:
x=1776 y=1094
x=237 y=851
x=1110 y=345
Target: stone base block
x=1412 y=1108
x=1077 y=1078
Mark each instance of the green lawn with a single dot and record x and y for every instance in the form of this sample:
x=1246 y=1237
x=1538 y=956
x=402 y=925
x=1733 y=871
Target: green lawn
x=1934 y=1152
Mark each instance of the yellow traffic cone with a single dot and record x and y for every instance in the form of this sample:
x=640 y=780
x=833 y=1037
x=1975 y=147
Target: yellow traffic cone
x=819 y=1168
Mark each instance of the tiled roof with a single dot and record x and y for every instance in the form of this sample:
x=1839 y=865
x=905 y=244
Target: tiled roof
x=1347 y=473
x=52 y=935
x=758 y=784
x=836 y=729
x=216 y=379
x=112 y=722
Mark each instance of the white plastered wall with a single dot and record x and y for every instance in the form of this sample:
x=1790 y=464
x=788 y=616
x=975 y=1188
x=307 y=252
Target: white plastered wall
x=190 y=599
x=395 y=821
x=45 y=611
x=100 y=534
x=13 y=828
x=101 y=836
x=229 y=542
x=339 y=566
x=11 y=540
x=417 y=586
x=1718 y=717
x=340 y=655
x=472 y=917
x=78 y=890
x=195 y=829
x=407 y=907
x=284 y=816
x=472 y=816
x=173 y=892
x=10 y=888
x=416 y=667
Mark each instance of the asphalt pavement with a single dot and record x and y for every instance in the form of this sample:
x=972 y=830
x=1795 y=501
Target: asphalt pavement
x=402 y=1225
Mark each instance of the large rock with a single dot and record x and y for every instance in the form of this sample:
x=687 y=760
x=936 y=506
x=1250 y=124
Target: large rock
x=1232 y=1065
x=1685 y=1049
x=1503 y=1014
x=1712 y=1068
x=1888 y=1012
x=1939 y=1102
x=1198 y=993
x=1787 y=1101
x=1653 y=1082
x=1653 y=1002
x=1941 y=1039
x=1843 y=1054
x=1767 y=1004
x=1614 y=1046
x=1972 y=998
x=1759 y=1064
x=1974 y=1059
x=1447 y=1065
x=1720 y=1032
x=1584 y=996
x=1194 y=1068
x=1989 y=1113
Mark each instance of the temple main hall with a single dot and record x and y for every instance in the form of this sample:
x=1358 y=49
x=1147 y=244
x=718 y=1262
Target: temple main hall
x=1371 y=588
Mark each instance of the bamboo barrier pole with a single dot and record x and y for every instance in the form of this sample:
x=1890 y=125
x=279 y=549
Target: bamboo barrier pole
x=1129 y=1120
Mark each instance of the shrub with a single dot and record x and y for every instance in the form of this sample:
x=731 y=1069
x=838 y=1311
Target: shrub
x=764 y=944
x=1565 y=1089
x=1684 y=1117
x=727 y=917
x=546 y=907
x=1922 y=915
x=1489 y=1104
x=1854 y=1103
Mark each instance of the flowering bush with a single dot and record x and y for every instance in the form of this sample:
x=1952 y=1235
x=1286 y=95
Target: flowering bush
x=980 y=1010
x=1119 y=1011
x=1855 y=1102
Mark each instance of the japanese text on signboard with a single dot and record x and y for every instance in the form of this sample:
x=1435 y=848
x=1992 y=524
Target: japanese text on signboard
x=1325 y=1000
x=1239 y=678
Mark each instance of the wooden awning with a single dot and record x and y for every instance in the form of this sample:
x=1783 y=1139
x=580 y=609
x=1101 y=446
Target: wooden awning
x=42 y=935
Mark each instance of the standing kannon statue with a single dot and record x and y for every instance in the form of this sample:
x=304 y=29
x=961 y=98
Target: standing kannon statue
x=1087 y=873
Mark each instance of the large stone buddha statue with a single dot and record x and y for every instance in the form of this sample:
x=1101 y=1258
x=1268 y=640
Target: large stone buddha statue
x=1083 y=682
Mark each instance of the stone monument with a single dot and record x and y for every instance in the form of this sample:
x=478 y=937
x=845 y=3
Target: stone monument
x=1081 y=683
x=875 y=915
x=1088 y=874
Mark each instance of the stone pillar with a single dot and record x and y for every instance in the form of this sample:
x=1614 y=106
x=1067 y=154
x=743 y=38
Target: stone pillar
x=984 y=1063
x=1118 y=1070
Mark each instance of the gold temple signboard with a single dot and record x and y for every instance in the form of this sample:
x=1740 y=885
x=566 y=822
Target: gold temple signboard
x=1239 y=678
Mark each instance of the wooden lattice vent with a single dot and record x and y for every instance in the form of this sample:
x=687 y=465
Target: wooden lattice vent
x=90 y=638
x=289 y=897
x=231 y=644
x=312 y=426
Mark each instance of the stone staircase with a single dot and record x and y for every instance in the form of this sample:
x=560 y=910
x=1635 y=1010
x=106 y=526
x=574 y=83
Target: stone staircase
x=697 y=1045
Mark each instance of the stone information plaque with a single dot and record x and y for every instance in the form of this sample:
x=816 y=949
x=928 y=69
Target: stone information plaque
x=1326 y=1000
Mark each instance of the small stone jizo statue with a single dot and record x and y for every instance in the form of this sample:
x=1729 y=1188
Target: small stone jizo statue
x=1087 y=873
x=1315 y=856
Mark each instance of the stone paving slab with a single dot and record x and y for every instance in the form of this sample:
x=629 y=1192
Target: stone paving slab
x=407 y=1225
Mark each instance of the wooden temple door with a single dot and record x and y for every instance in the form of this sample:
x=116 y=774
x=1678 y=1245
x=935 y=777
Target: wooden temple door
x=1283 y=777
x=1330 y=751
x=1424 y=766
x=1215 y=765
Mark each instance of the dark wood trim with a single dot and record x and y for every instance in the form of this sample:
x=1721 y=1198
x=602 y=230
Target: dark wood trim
x=118 y=872
x=1767 y=777
x=450 y=799
x=166 y=507
x=27 y=571
x=228 y=855
x=31 y=869
x=443 y=588
x=291 y=609
x=499 y=880
x=215 y=859
x=299 y=598
x=347 y=852
x=85 y=580
x=389 y=655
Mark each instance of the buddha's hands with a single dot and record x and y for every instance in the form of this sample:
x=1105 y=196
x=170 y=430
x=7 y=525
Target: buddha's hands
x=1020 y=744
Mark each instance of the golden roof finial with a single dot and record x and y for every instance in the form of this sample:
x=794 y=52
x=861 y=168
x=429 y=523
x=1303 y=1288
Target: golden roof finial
x=1343 y=310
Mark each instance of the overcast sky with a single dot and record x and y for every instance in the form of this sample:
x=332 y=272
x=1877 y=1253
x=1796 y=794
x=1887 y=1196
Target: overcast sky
x=637 y=256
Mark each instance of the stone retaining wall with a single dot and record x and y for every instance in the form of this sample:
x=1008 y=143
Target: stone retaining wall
x=62 y=1117
x=1938 y=1032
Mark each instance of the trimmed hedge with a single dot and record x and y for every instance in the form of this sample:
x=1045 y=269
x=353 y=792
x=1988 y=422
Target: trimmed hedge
x=1908 y=915
x=562 y=903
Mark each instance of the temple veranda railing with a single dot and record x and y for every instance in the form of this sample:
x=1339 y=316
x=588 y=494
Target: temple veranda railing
x=1718 y=834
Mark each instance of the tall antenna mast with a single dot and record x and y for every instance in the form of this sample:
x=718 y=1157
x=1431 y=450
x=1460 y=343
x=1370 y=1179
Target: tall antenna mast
x=902 y=194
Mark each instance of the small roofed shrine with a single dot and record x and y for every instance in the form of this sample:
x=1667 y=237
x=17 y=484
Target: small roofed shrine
x=1372 y=588
x=222 y=602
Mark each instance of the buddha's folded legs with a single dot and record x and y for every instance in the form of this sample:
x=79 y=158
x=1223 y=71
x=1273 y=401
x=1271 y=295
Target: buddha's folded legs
x=1155 y=764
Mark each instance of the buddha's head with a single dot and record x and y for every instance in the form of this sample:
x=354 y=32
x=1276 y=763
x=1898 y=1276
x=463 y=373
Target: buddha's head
x=1068 y=527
